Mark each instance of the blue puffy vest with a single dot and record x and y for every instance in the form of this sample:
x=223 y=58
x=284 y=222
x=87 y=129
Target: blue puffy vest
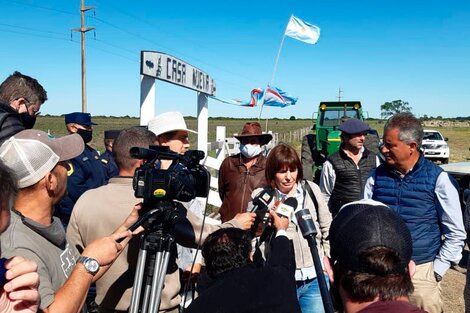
x=413 y=197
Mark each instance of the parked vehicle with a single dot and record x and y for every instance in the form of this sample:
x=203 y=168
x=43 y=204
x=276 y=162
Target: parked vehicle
x=461 y=172
x=435 y=146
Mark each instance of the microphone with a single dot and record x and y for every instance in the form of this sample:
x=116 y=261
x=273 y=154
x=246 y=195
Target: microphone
x=260 y=207
x=262 y=200
x=305 y=221
x=286 y=209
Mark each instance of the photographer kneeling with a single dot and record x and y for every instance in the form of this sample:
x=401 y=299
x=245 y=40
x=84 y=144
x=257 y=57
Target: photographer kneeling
x=239 y=285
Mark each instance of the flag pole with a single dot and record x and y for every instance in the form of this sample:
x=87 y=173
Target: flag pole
x=277 y=59
x=274 y=71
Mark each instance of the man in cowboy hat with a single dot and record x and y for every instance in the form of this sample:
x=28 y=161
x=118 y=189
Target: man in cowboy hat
x=242 y=173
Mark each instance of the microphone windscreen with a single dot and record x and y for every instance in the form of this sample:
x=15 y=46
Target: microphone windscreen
x=287 y=208
x=262 y=200
x=305 y=221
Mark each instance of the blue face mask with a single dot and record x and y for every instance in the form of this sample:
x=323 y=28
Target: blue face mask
x=250 y=151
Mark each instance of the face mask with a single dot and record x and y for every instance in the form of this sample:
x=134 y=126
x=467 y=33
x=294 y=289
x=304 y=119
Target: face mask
x=250 y=151
x=27 y=120
x=86 y=135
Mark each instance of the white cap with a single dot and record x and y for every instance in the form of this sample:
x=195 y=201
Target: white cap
x=168 y=122
x=31 y=154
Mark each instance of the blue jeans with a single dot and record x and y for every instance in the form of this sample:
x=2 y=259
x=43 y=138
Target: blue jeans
x=309 y=296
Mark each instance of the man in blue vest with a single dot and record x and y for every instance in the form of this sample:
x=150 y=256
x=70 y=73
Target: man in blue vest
x=86 y=171
x=428 y=202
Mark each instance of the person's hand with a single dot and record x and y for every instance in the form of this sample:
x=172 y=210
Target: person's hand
x=279 y=222
x=106 y=249
x=131 y=219
x=20 y=293
x=245 y=219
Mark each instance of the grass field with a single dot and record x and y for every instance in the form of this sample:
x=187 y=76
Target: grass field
x=55 y=124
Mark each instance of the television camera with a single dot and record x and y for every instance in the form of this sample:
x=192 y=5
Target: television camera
x=161 y=189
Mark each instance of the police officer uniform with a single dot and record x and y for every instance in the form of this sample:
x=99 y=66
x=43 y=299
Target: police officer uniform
x=85 y=171
x=107 y=158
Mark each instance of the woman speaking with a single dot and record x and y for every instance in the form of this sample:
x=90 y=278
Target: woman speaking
x=284 y=174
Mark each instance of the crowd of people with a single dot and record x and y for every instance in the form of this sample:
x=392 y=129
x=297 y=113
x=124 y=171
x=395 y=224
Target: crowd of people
x=386 y=230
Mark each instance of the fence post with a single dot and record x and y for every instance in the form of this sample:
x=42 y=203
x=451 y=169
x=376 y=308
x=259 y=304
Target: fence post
x=220 y=137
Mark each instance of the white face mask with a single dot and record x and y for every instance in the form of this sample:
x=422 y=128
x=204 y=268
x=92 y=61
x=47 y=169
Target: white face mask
x=250 y=151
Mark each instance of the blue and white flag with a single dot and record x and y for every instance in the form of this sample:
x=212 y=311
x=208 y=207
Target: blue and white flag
x=277 y=98
x=303 y=31
x=273 y=96
x=256 y=95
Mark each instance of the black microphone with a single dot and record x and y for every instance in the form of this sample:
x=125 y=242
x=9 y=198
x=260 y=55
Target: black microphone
x=260 y=207
x=262 y=200
x=305 y=221
x=286 y=209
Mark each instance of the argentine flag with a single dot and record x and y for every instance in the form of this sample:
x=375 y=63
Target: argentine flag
x=303 y=31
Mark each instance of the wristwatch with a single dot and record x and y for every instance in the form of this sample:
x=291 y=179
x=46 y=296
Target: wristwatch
x=438 y=277
x=91 y=265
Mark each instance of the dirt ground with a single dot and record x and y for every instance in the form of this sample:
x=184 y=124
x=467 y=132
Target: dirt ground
x=452 y=287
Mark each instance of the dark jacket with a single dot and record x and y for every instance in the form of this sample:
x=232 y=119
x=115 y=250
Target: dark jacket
x=350 y=178
x=86 y=172
x=110 y=166
x=236 y=184
x=254 y=288
x=413 y=197
x=10 y=123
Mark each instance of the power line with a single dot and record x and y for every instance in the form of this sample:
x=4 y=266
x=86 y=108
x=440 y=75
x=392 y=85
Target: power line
x=43 y=7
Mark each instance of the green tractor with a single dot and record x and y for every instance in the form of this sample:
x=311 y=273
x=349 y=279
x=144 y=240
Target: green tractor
x=325 y=139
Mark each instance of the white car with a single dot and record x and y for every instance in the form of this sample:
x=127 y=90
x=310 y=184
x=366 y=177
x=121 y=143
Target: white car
x=435 y=147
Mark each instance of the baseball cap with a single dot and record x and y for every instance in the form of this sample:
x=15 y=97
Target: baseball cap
x=31 y=154
x=365 y=224
x=168 y=122
x=353 y=126
x=79 y=118
x=111 y=133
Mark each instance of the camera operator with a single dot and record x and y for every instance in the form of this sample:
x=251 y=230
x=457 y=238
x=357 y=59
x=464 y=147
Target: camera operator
x=242 y=286
x=100 y=209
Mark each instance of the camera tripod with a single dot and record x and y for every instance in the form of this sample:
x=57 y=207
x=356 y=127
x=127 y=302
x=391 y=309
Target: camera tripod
x=153 y=257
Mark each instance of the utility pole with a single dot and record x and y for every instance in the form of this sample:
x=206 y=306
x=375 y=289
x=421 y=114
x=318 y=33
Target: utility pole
x=83 y=30
x=339 y=94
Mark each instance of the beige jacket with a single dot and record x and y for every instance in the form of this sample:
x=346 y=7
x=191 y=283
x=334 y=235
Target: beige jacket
x=322 y=220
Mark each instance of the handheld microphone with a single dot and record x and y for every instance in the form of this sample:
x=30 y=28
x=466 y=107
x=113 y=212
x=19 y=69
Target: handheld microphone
x=262 y=200
x=286 y=209
x=305 y=221
x=260 y=207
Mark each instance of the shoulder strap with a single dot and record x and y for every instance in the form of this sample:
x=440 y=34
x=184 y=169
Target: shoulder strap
x=311 y=194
